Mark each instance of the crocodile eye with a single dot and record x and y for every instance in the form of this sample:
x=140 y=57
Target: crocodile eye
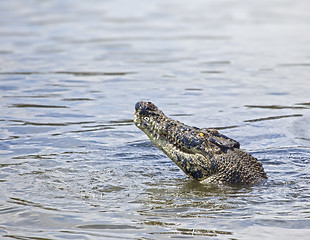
x=146 y=118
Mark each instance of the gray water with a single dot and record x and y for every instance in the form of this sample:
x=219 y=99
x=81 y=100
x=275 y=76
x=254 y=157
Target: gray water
x=74 y=166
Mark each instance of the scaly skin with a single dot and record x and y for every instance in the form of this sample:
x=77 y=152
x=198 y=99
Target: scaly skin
x=203 y=154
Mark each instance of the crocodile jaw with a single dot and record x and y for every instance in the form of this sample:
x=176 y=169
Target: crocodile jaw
x=166 y=144
x=164 y=133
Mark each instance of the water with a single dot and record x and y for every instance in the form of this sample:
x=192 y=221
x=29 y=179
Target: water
x=74 y=166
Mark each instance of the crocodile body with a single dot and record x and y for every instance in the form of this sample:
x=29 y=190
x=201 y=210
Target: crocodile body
x=203 y=154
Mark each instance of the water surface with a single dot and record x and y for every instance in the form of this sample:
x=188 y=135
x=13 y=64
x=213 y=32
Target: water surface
x=74 y=166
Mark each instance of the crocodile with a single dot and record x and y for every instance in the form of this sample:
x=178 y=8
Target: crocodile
x=203 y=154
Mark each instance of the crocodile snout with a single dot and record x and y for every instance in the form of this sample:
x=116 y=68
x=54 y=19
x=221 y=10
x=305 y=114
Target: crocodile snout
x=145 y=107
x=138 y=106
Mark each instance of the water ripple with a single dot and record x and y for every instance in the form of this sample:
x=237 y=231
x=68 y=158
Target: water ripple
x=275 y=107
x=86 y=73
x=25 y=105
x=273 y=118
x=73 y=164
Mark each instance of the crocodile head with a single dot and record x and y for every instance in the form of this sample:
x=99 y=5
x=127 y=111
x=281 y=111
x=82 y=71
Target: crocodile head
x=191 y=148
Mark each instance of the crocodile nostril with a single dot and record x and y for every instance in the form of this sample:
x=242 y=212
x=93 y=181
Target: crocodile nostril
x=138 y=105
